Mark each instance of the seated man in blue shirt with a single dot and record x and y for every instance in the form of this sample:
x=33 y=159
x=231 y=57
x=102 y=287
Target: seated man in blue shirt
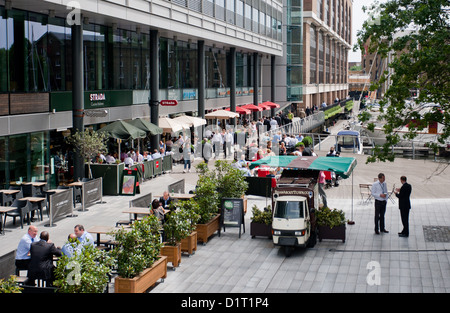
x=72 y=246
x=83 y=236
x=23 y=249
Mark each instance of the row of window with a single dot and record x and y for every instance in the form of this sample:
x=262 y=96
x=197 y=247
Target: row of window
x=264 y=20
x=36 y=56
x=338 y=61
x=336 y=14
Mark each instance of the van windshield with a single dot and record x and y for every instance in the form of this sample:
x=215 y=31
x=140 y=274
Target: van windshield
x=289 y=209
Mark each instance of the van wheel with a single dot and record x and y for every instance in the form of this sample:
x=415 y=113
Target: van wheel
x=288 y=251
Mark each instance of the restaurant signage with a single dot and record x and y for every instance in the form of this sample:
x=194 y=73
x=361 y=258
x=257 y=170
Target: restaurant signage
x=168 y=102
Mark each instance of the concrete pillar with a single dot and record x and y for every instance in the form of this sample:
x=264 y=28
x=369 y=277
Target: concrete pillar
x=154 y=85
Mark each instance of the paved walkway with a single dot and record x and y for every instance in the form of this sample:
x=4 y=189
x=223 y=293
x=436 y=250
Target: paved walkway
x=365 y=263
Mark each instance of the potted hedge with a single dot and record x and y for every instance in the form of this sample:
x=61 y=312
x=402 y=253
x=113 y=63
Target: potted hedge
x=176 y=227
x=207 y=198
x=330 y=224
x=261 y=224
x=137 y=250
x=86 y=271
x=190 y=209
x=10 y=285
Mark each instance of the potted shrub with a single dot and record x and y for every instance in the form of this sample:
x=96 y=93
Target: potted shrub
x=86 y=271
x=10 y=285
x=207 y=199
x=176 y=228
x=139 y=264
x=231 y=181
x=190 y=209
x=261 y=224
x=330 y=224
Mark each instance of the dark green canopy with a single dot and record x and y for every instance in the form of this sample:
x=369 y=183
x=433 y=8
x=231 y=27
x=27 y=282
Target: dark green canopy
x=123 y=130
x=146 y=126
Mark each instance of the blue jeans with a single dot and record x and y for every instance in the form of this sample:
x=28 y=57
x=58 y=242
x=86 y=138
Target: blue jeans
x=186 y=162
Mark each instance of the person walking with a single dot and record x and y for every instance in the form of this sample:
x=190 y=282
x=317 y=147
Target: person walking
x=404 y=204
x=379 y=193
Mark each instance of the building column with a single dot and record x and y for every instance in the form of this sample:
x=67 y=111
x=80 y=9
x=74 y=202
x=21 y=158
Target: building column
x=255 y=77
x=272 y=78
x=77 y=95
x=154 y=85
x=233 y=83
x=201 y=78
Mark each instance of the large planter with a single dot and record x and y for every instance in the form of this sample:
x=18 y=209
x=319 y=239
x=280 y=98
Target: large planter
x=173 y=254
x=204 y=231
x=337 y=232
x=189 y=244
x=260 y=229
x=144 y=280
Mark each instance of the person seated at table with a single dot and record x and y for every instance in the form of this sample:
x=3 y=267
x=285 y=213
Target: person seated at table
x=128 y=160
x=156 y=154
x=83 y=236
x=158 y=210
x=23 y=249
x=41 y=262
x=72 y=246
x=166 y=200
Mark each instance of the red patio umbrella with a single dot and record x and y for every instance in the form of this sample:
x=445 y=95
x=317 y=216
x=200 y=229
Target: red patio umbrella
x=263 y=106
x=271 y=104
x=240 y=110
x=252 y=107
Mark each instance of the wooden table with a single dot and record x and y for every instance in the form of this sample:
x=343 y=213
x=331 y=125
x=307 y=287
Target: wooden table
x=36 y=183
x=100 y=229
x=3 y=210
x=137 y=210
x=9 y=191
x=76 y=184
x=180 y=196
x=35 y=201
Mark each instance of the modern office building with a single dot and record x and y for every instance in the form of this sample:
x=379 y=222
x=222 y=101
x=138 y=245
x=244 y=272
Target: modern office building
x=326 y=40
x=71 y=64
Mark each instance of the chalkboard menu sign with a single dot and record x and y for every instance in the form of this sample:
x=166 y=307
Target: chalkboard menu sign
x=232 y=213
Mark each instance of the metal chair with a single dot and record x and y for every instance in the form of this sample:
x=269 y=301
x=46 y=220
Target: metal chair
x=366 y=193
x=5 y=199
x=23 y=208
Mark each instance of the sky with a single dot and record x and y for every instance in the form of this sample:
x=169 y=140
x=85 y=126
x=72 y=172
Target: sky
x=358 y=19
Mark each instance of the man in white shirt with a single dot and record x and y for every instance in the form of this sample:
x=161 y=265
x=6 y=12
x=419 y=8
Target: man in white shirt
x=23 y=249
x=217 y=142
x=379 y=193
x=228 y=143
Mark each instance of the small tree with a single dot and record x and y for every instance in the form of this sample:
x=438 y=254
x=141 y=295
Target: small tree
x=88 y=143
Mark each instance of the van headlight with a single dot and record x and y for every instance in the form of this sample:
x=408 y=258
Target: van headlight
x=277 y=232
x=300 y=232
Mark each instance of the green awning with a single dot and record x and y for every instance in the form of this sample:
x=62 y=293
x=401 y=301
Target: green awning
x=146 y=126
x=123 y=130
x=340 y=165
x=274 y=161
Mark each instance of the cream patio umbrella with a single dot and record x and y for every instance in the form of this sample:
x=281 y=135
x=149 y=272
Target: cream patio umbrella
x=190 y=120
x=221 y=114
x=171 y=125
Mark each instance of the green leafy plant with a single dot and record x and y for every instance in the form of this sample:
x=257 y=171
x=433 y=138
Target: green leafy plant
x=262 y=217
x=231 y=182
x=137 y=248
x=86 y=271
x=10 y=285
x=331 y=218
x=190 y=208
x=207 y=196
x=177 y=226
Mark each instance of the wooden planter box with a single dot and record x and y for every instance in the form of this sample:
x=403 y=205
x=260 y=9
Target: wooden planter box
x=144 y=280
x=173 y=254
x=204 y=231
x=189 y=244
x=337 y=232
x=260 y=229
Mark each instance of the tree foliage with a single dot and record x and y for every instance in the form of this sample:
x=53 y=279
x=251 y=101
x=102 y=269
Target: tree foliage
x=416 y=35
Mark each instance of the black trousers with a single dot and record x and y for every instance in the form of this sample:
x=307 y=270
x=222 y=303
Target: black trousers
x=404 y=214
x=380 y=210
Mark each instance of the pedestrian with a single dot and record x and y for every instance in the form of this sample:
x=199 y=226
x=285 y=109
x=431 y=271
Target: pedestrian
x=207 y=150
x=379 y=193
x=404 y=204
x=322 y=188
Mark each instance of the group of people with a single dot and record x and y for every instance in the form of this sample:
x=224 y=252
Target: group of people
x=35 y=254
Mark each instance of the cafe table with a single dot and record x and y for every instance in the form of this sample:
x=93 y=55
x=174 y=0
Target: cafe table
x=35 y=201
x=4 y=210
x=101 y=230
x=137 y=210
x=180 y=196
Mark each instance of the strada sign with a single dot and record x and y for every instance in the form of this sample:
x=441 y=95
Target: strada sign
x=168 y=102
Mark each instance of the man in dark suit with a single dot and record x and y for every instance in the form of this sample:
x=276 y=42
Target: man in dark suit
x=41 y=263
x=404 y=204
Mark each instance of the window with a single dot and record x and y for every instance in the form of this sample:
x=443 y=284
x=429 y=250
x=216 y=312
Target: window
x=312 y=58
x=230 y=11
x=289 y=209
x=94 y=58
